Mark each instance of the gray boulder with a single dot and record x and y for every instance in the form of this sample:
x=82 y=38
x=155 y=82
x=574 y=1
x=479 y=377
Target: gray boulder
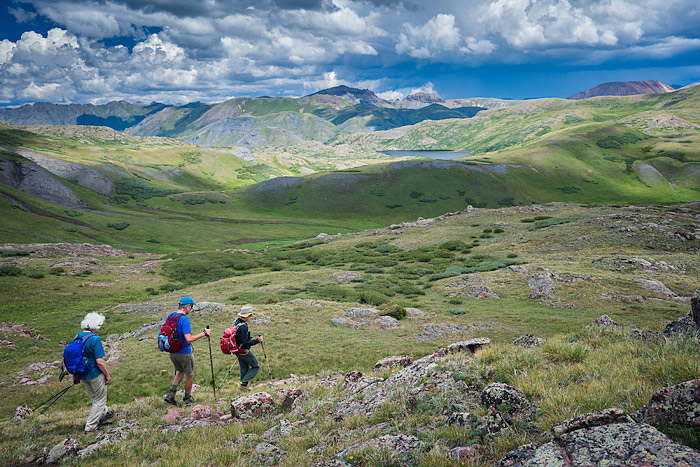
x=61 y=450
x=397 y=445
x=481 y=292
x=512 y=403
x=695 y=307
x=472 y=345
x=527 y=341
x=541 y=285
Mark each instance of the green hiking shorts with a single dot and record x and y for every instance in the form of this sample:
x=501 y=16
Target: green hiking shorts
x=183 y=362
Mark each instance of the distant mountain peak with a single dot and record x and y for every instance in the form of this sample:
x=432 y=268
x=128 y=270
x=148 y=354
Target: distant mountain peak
x=427 y=97
x=354 y=95
x=624 y=88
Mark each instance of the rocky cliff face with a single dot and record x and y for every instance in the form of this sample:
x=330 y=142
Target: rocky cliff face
x=624 y=88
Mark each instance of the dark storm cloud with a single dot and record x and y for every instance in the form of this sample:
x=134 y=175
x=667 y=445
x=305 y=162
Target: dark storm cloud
x=407 y=4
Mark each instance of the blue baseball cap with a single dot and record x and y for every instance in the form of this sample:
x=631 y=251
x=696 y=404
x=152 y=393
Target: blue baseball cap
x=187 y=301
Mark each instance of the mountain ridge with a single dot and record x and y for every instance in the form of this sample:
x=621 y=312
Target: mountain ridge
x=624 y=88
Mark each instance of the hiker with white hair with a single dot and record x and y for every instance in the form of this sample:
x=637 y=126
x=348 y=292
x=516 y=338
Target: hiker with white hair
x=84 y=358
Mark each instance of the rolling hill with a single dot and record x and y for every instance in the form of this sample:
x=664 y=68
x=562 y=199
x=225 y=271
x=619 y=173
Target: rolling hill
x=624 y=88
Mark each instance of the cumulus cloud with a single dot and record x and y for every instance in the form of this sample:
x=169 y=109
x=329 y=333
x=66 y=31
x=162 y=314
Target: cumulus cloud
x=437 y=36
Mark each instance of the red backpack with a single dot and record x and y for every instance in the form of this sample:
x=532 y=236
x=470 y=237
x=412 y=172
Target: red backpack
x=168 y=340
x=228 y=342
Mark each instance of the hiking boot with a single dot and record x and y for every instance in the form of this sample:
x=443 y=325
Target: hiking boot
x=243 y=387
x=188 y=401
x=106 y=417
x=170 y=398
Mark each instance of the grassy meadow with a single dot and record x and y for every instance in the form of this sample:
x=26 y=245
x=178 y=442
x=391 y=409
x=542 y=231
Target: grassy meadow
x=430 y=267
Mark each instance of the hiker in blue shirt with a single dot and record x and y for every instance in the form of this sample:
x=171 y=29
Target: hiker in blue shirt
x=97 y=379
x=182 y=359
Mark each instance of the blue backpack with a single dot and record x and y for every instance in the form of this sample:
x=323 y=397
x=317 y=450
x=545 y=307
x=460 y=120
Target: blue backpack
x=74 y=357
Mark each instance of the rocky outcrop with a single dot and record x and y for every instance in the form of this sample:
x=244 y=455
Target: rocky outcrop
x=393 y=362
x=527 y=341
x=541 y=285
x=624 y=88
x=677 y=405
x=64 y=448
x=345 y=276
x=252 y=406
x=112 y=436
x=510 y=402
x=658 y=287
x=363 y=318
x=605 y=321
x=472 y=345
x=22 y=412
x=688 y=324
x=609 y=437
x=292 y=397
x=481 y=292
x=397 y=445
x=695 y=307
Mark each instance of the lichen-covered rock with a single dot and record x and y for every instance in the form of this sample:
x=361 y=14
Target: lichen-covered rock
x=589 y=420
x=464 y=453
x=509 y=401
x=481 y=292
x=460 y=419
x=686 y=325
x=527 y=341
x=677 y=405
x=268 y=454
x=351 y=378
x=605 y=321
x=61 y=450
x=656 y=286
x=541 y=285
x=695 y=307
x=113 y=435
x=518 y=456
x=332 y=463
x=172 y=415
x=200 y=412
x=400 y=445
x=612 y=444
x=291 y=397
x=252 y=406
x=386 y=322
x=396 y=361
x=491 y=423
x=22 y=412
x=472 y=345
x=415 y=312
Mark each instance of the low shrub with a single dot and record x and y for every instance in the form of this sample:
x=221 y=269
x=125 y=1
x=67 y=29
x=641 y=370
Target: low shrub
x=73 y=212
x=57 y=271
x=10 y=271
x=36 y=275
x=554 y=221
x=453 y=245
x=395 y=311
x=69 y=229
x=9 y=253
x=456 y=311
x=118 y=225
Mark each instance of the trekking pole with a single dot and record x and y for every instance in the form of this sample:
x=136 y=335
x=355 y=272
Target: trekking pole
x=228 y=373
x=211 y=362
x=60 y=394
x=266 y=361
x=55 y=396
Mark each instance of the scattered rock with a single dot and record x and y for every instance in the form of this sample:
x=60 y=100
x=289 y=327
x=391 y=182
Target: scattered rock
x=400 y=445
x=397 y=361
x=677 y=405
x=460 y=419
x=268 y=453
x=481 y=292
x=61 y=450
x=472 y=345
x=604 y=438
x=605 y=321
x=517 y=269
x=200 y=412
x=4 y=343
x=528 y=341
x=387 y=322
x=252 y=406
x=210 y=307
x=332 y=463
x=464 y=453
x=512 y=403
x=685 y=325
x=113 y=435
x=345 y=276
x=541 y=286
x=657 y=286
x=264 y=319
x=415 y=312
x=492 y=423
x=21 y=330
x=604 y=417
x=172 y=415
x=293 y=397
x=22 y=412
x=151 y=327
x=363 y=318
x=327 y=382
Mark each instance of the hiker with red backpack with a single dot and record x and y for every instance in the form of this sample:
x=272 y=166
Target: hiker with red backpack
x=237 y=341
x=176 y=338
x=83 y=357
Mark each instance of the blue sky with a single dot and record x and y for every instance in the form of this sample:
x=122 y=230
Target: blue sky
x=177 y=51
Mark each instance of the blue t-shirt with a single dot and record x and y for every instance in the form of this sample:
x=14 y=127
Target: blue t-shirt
x=93 y=349
x=183 y=327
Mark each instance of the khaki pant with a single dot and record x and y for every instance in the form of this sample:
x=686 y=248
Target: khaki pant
x=97 y=390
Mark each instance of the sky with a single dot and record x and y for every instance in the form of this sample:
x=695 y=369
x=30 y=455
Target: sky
x=179 y=51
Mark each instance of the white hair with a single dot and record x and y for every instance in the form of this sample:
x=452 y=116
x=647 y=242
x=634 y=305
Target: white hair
x=92 y=321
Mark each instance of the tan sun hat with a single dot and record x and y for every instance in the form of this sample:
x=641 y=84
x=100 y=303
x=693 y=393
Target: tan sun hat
x=246 y=311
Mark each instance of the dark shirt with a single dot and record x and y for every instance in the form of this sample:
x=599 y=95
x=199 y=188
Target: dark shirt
x=243 y=340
